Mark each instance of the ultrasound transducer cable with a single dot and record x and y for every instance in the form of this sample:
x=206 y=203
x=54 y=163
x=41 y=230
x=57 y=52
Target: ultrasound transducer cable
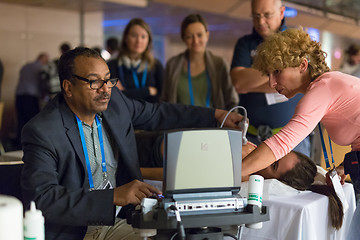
x=243 y=124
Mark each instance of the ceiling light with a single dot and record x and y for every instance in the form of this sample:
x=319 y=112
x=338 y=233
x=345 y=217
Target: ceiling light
x=136 y=3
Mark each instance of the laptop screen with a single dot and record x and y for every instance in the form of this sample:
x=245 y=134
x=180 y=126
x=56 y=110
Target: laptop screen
x=202 y=160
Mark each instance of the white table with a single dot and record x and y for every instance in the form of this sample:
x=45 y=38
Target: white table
x=302 y=216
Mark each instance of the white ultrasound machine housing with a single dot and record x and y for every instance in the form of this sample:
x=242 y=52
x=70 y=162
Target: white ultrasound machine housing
x=202 y=171
x=202 y=179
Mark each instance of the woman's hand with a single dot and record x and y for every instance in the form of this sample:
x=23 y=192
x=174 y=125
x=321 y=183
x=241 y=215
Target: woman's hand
x=248 y=148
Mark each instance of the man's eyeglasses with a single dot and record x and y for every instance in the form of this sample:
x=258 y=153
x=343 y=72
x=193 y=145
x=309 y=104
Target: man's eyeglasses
x=97 y=84
x=267 y=15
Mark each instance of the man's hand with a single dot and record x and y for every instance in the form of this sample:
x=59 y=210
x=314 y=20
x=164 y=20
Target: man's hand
x=133 y=192
x=152 y=91
x=120 y=86
x=232 y=120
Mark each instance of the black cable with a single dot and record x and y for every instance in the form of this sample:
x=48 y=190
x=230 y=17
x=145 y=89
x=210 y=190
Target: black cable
x=180 y=226
x=181 y=230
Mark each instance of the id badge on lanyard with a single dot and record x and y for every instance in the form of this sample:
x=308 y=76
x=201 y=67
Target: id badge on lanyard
x=274 y=98
x=334 y=177
x=105 y=184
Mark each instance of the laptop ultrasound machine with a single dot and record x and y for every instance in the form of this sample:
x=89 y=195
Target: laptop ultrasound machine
x=202 y=171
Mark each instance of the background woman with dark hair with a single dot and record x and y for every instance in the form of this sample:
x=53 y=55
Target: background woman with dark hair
x=197 y=76
x=140 y=74
x=352 y=63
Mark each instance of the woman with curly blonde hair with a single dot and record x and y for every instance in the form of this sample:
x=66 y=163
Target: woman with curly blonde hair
x=288 y=50
x=296 y=64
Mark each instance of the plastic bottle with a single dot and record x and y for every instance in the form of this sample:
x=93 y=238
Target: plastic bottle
x=255 y=192
x=34 y=224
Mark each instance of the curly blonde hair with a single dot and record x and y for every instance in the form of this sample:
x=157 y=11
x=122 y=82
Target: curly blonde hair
x=288 y=49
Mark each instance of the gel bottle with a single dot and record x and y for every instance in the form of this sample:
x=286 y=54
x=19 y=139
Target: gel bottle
x=34 y=224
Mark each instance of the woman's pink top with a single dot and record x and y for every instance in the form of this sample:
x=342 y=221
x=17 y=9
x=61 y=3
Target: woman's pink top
x=334 y=99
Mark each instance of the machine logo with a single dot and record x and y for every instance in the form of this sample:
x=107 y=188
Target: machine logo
x=204 y=147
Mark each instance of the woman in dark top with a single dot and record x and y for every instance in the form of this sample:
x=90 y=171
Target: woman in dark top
x=139 y=72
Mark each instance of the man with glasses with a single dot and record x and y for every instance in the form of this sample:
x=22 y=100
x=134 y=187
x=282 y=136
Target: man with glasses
x=268 y=111
x=80 y=160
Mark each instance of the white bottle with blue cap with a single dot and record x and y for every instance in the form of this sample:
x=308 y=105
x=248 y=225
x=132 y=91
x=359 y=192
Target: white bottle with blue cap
x=34 y=224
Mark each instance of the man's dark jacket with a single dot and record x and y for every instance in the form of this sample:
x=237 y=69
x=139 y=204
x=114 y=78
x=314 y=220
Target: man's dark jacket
x=54 y=173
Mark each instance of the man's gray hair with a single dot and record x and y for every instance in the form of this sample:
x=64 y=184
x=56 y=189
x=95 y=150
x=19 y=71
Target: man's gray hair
x=277 y=2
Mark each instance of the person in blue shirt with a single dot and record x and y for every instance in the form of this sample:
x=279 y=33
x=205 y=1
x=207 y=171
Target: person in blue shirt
x=140 y=74
x=267 y=110
x=30 y=91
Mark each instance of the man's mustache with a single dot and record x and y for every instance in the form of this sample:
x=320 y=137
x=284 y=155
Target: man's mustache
x=102 y=96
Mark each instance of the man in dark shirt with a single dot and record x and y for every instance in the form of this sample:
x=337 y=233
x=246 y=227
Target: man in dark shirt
x=268 y=111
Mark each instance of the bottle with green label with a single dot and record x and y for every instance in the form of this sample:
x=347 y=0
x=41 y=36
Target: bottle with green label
x=34 y=224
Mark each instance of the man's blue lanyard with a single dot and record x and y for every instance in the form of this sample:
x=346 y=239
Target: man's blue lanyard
x=191 y=88
x=324 y=150
x=134 y=75
x=103 y=163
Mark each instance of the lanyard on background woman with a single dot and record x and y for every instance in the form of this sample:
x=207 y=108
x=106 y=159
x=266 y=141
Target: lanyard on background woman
x=134 y=76
x=83 y=142
x=191 y=93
